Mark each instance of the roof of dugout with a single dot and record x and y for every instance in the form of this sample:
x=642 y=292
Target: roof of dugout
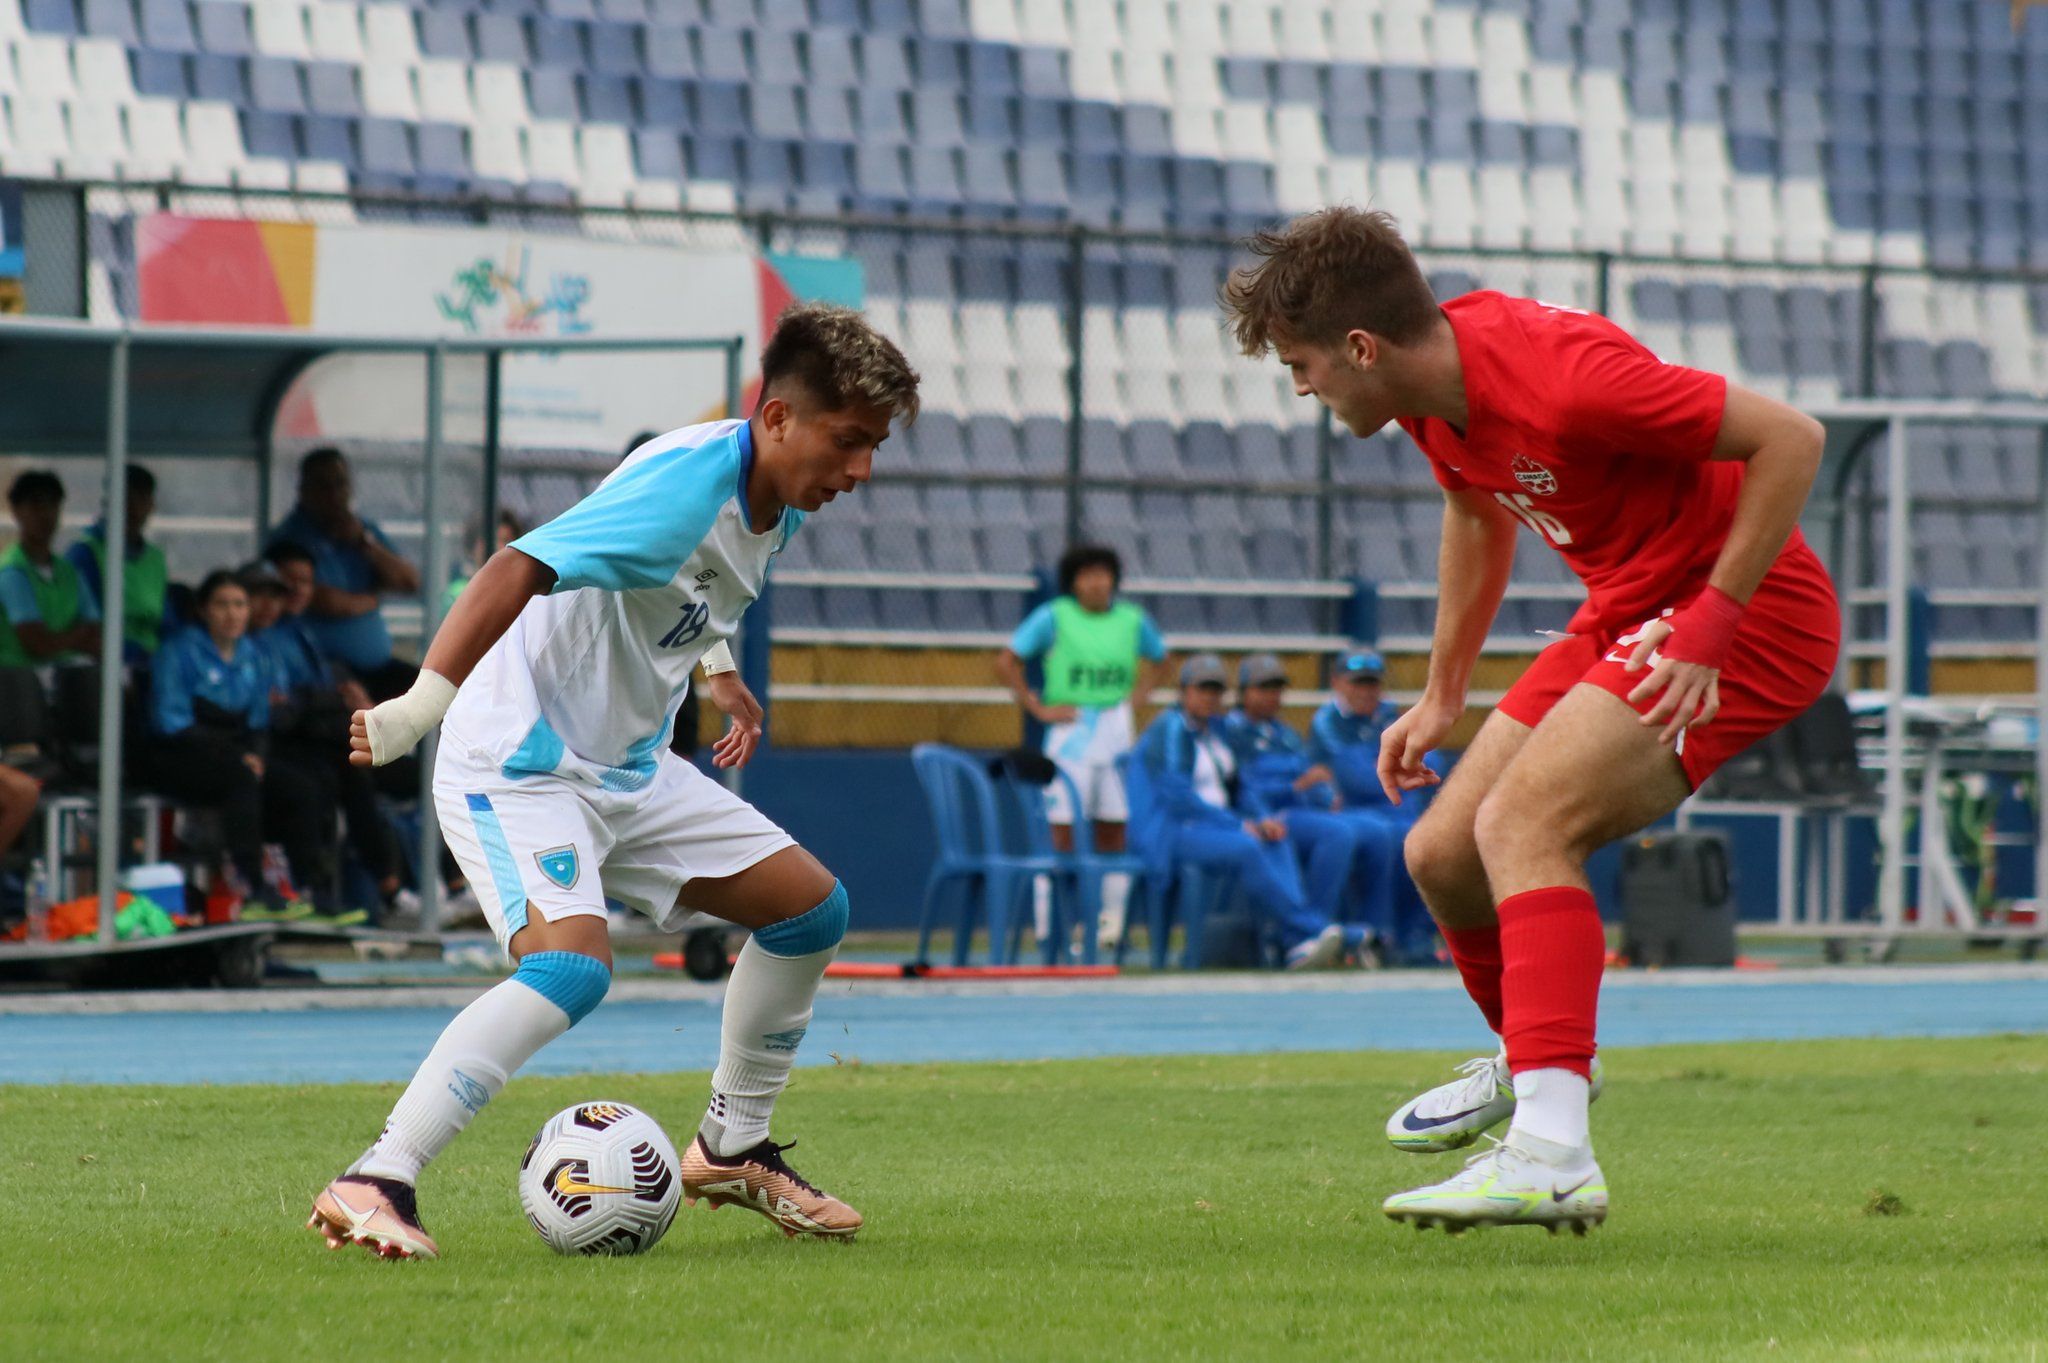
x=211 y=392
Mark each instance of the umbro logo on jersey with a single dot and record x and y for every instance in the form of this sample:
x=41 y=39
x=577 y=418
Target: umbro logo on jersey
x=703 y=579
x=1539 y=480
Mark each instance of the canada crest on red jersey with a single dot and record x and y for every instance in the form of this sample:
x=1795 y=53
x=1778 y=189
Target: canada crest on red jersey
x=1533 y=476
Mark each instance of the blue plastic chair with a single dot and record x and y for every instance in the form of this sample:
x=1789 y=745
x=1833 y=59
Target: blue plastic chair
x=972 y=860
x=1084 y=864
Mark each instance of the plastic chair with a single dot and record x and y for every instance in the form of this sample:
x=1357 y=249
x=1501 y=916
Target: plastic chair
x=962 y=799
x=1087 y=867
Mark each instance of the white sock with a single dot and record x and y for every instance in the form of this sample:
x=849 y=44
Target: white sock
x=480 y=1050
x=1041 y=907
x=1551 y=1106
x=1116 y=898
x=767 y=1010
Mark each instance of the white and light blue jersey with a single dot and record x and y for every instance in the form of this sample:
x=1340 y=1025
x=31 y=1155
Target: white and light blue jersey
x=651 y=569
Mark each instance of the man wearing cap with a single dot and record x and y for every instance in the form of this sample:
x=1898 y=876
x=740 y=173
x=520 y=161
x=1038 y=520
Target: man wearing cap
x=1276 y=781
x=1183 y=777
x=1344 y=745
x=309 y=711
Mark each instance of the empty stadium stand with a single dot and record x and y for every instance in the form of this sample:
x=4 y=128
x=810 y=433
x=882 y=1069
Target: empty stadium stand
x=1745 y=161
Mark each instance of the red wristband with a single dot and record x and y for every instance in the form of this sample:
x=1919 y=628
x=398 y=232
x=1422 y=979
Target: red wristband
x=1703 y=631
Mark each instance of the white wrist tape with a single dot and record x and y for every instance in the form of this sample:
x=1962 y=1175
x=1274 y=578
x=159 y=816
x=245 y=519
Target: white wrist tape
x=717 y=659
x=396 y=725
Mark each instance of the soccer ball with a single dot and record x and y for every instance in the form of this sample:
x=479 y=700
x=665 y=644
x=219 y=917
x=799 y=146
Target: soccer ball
x=600 y=1178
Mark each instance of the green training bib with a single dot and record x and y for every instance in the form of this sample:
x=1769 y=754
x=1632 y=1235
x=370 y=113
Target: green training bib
x=1093 y=660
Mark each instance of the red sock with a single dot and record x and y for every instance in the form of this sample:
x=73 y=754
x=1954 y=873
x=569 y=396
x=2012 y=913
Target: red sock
x=1553 y=950
x=1476 y=953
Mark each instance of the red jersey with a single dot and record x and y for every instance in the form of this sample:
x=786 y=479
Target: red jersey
x=1596 y=445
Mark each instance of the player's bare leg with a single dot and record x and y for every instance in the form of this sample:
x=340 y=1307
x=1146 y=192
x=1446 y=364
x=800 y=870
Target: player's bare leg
x=1442 y=851
x=1443 y=857
x=1589 y=773
x=796 y=910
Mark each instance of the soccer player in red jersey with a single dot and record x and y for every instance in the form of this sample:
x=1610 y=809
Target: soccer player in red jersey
x=1675 y=496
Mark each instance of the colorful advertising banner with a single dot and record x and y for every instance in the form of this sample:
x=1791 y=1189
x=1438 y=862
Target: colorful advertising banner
x=429 y=281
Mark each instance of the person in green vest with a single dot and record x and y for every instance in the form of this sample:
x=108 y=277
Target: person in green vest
x=1094 y=652
x=145 y=576
x=50 y=614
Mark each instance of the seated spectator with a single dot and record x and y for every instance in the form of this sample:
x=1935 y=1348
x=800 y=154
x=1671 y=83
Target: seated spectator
x=290 y=635
x=1276 y=781
x=147 y=614
x=210 y=713
x=19 y=793
x=309 y=715
x=1183 y=810
x=353 y=566
x=398 y=780
x=50 y=613
x=1344 y=744
x=509 y=528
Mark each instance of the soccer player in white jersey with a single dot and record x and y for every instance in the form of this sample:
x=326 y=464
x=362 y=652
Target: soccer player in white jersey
x=559 y=670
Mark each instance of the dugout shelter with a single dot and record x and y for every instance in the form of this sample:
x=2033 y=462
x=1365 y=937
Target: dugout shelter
x=166 y=393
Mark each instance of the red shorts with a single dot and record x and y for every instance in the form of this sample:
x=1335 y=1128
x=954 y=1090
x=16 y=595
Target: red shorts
x=1782 y=659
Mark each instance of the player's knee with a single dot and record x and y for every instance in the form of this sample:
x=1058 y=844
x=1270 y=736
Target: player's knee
x=1438 y=857
x=1496 y=830
x=573 y=982
x=820 y=929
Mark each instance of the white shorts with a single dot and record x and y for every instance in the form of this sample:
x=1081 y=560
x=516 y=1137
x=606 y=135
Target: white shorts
x=1087 y=751
x=559 y=847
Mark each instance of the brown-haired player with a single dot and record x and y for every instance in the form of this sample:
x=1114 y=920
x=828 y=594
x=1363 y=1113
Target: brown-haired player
x=1675 y=496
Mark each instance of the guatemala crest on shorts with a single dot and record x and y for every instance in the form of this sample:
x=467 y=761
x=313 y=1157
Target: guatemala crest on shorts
x=559 y=865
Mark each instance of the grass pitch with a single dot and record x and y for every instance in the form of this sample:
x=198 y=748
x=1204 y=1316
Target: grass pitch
x=1880 y=1200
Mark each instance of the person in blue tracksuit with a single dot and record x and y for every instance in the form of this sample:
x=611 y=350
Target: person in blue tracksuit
x=209 y=744
x=1182 y=779
x=1276 y=780
x=1344 y=745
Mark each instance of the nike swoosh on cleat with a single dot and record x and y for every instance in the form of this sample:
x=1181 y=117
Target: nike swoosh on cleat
x=1560 y=1194
x=1409 y=1123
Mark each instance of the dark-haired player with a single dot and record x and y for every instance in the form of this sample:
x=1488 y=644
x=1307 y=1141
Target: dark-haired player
x=1095 y=652
x=559 y=671
x=1675 y=496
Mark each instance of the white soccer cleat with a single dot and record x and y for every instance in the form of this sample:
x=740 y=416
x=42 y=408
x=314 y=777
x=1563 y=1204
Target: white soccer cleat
x=1511 y=1185
x=1452 y=1116
x=1319 y=952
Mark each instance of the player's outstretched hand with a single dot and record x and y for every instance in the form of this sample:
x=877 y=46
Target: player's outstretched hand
x=737 y=703
x=1692 y=691
x=1408 y=740
x=387 y=731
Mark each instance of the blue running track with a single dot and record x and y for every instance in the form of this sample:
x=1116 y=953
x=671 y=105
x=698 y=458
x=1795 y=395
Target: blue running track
x=912 y=1024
